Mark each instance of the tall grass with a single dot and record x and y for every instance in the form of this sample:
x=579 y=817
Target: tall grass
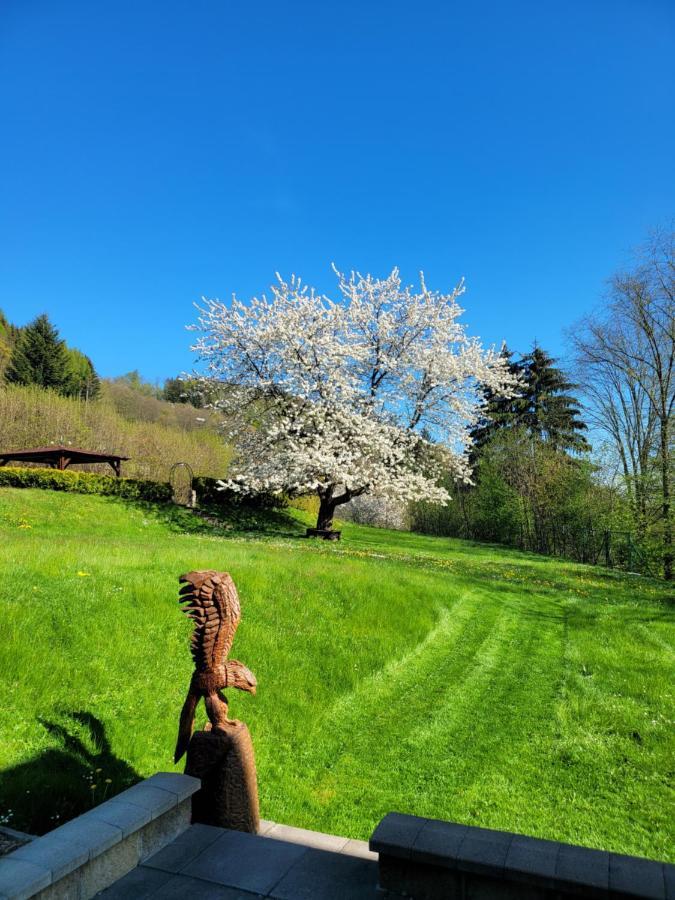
x=396 y=672
x=33 y=417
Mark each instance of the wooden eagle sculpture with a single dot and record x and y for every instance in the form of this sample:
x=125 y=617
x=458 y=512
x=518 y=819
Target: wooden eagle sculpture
x=211 y=601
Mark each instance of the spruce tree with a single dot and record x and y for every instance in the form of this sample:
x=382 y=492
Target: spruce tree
x=39 y=357
x=548 y=409
x=543 y=405
x=498 y=411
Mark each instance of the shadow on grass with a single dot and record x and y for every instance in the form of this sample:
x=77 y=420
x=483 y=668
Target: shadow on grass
x=67 y=779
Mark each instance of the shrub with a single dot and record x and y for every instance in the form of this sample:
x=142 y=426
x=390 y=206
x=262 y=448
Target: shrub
x=208 y=494
x=86 y=483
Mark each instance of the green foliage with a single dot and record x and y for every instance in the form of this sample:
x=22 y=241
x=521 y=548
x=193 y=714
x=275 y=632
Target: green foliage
x=39 y=357
x=209 y=494
x=187 y=390
x=82 y=381
x=530 y=495
x=85 y=483
x=395 y=671
x=34 y=417
x=544 y=406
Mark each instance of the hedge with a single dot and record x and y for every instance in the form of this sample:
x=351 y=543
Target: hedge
x=207 y=490
x=86 y=483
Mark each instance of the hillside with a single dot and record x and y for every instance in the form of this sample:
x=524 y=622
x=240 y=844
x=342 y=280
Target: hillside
x=154 y=433
x=396 y=672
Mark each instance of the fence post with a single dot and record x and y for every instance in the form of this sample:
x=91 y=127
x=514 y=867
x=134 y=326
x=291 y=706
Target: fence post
x=608 y=558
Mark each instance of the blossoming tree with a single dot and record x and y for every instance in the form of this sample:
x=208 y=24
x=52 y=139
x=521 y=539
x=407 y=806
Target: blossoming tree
x=371 y=393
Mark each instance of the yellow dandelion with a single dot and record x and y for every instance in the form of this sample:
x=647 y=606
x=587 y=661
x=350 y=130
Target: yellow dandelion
x=84 y=574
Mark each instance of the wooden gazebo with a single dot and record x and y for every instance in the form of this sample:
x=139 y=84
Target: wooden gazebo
x=60 y=457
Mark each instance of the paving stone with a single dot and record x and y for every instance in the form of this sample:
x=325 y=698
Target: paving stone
x=107 y=868
x=324 y=875
x=360 y=849
x=155 y=800
x=265 y=826
x=140 y=883
x=439 y=842
x=20 y=880
x=632 y=876
x=180 y=887
x=85 y=831
x=188 y=845
x=183 y=786
x=533 y=858
x=54 y=853
x=316 y=839
x=128 y=817
x=484 y=851
x=583 y=866
x=245 y=861
x=669 y=879
x=396 y=834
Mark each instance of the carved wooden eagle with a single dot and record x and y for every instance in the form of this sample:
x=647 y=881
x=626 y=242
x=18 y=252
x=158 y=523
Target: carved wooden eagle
x=211 y=601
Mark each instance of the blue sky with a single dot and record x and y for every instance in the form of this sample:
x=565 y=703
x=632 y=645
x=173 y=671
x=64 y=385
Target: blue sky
x=154 y=152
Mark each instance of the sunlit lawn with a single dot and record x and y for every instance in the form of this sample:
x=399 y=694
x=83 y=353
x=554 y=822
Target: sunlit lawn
x=396 y=672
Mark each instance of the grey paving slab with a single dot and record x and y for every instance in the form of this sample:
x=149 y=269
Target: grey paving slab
x=245 y=861
x=183 y=786
x=533 y=858
x=85 y=831
x=360 y=849
x=439 y=842
x=396 y=834
x=154 y=799
x=323 y=875
x=265 y=826
x=20 y=879
x=55 y=853
x=636 y=877
x=484 y=851
x=181 y=887
x=316 y=839
x=582 y=866
x=669 y=880
x=186 y=847
x=140 y=883
x=128 y=817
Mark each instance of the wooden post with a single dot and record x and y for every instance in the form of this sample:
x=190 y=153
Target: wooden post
x=224 y=762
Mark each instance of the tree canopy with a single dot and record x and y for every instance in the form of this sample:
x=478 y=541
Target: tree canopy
x=374 y=392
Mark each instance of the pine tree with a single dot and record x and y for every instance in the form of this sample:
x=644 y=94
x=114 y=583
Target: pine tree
x=498 y=411
x=39 y=357
x=543 y=406
x=549 y=411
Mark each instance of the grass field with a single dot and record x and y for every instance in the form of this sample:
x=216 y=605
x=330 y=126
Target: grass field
x=396 y=672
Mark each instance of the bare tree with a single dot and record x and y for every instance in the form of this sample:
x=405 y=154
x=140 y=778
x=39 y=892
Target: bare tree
x=626 y=362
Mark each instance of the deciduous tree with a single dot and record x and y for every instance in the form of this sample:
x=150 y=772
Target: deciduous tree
x=372 y=393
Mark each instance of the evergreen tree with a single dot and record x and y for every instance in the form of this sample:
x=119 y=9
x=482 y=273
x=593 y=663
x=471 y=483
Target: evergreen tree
x=498 y=411
x=544 y=406
x=548 y=409
x=39 y=357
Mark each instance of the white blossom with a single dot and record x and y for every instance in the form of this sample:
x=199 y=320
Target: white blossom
x=372 y=393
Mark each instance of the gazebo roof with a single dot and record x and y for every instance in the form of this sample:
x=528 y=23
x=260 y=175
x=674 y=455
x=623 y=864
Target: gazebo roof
x=55 y=451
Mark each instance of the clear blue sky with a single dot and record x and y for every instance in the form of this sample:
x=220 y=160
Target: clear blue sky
x=156 y=151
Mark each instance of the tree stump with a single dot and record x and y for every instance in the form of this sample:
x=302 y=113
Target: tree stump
x=326 y=533
x=225 y=763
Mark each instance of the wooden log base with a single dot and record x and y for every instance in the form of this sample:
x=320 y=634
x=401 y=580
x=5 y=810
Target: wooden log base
x=325 y=533
x=223 y=759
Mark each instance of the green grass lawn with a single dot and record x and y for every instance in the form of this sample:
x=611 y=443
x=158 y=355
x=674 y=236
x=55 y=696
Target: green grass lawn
x=395 y=671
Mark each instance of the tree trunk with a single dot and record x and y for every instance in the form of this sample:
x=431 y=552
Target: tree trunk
x=665 y=507
x=324 y=521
